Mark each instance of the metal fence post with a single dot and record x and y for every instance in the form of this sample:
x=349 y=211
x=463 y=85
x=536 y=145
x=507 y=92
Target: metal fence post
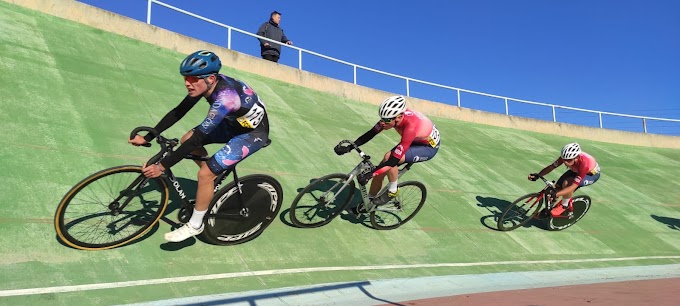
x=600 y=115
x=148 y=12
x=300 y=59
x=229 y=38
x=408 y=91
x=553 y=110
x=458 y=94
x=355 y=74
x=644 y=125
x=506 y=107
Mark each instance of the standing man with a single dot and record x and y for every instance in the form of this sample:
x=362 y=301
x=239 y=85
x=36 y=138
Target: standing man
x=270 y=29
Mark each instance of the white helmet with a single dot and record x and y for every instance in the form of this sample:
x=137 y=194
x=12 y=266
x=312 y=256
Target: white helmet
x=392 y=107
x=571 y=151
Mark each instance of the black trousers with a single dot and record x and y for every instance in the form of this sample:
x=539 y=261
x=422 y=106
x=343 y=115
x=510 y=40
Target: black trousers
x=271 y=57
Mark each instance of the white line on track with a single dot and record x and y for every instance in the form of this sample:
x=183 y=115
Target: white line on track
x=62 y=289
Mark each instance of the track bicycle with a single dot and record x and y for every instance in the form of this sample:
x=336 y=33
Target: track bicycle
x=326 y=197
x=529 y=206
x=118 y=205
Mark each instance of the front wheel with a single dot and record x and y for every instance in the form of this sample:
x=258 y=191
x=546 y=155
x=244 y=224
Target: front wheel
x=401 y=209
x=110 y=208
x=520 y=212
x=226 y=223
x=581 y=205
x=322 y=200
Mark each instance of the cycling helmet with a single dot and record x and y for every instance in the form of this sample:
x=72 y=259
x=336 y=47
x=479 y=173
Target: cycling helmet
x=200 y=63
x=571 y=151
x=392 y=107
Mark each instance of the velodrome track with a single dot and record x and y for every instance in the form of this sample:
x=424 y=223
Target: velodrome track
x=71 y=94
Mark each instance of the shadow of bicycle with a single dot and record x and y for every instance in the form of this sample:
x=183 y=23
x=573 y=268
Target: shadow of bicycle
x=309 y=208
x=672 y=223
x=496 y=206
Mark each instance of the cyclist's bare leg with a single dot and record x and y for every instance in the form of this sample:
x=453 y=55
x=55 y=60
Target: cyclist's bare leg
x=198 y=152
x=565 y=184
x=392 y=175
x=376 y=184
x=205 y=190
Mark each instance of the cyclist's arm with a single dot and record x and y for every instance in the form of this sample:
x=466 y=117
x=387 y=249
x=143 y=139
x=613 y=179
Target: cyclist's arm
x=407 y=137
x=219 y=109
x=366 y=137
x=174 y=115
x=550 y=167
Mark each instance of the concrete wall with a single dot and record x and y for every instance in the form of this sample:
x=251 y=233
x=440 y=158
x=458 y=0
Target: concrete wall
x=111 y=22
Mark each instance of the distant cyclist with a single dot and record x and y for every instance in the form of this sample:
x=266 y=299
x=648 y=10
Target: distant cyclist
x=583 y=171
x=419 y=142
x=236 y=117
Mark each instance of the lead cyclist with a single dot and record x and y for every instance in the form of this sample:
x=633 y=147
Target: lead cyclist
x=236 y=117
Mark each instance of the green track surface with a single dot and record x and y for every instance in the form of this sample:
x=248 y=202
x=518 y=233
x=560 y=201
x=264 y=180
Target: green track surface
x=71 y=94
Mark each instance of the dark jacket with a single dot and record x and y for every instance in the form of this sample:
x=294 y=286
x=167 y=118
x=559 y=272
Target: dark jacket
x=272 y=31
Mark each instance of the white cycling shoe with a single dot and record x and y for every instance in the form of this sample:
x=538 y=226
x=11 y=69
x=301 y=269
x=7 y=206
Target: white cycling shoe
x=183 y=233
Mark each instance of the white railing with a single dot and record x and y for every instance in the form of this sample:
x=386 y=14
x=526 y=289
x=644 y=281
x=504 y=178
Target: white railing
x=407 y=79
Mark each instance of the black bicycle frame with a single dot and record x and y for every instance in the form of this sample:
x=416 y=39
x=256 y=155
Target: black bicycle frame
x=166 y=147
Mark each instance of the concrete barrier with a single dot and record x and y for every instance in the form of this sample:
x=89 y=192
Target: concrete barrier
x=115 y=23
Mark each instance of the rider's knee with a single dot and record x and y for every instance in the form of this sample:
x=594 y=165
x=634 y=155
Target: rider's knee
x=205 y=174
x=186 y=136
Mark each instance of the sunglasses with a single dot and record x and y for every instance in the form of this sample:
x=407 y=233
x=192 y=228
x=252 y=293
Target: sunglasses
x=387 y=120
x=193 y=79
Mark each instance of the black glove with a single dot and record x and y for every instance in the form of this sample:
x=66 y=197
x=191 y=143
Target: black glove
x=364 y=177
x=533 y=177
x=340 y=149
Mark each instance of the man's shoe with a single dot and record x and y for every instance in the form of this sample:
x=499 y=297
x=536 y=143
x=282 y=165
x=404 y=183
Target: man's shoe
x=385 y=198
x=183 y=233
x=558 y=210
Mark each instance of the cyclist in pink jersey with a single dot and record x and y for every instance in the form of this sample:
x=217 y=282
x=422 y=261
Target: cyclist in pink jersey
x=419 y=142
x=583 y=171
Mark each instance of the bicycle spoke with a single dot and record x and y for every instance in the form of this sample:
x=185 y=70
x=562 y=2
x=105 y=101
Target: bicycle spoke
x=94 y=216
x=519 y=212
x=321 y=201
x=401 y=209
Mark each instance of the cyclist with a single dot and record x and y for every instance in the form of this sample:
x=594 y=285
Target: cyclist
x=236 y=117
x=583 y=171
x=419 y=142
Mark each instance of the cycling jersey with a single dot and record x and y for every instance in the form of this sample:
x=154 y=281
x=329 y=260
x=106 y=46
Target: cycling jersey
x=414 y=128
x=583 y=165
x=234 y=109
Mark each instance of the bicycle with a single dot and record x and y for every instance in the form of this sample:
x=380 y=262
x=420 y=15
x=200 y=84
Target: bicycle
x=118 y=205
x=529 y=206
x=328 y=200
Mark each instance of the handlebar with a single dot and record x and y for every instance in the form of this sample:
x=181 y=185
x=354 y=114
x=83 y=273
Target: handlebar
x=164 y=142
x=143 y=128
x=364 y=156
x=549 y=183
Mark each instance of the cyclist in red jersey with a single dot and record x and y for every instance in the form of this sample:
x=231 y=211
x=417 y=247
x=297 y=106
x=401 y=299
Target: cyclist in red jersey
x=583 y=171
x=419 y=142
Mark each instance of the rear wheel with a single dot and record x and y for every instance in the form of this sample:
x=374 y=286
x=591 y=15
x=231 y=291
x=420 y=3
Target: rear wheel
x=581 y=206
x=90 y=217
x=226 y=224
x=401 y=209
x=322 y=200
x=520 y=212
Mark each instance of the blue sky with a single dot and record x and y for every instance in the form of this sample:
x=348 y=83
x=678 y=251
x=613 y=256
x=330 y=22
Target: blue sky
x=615 y=56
